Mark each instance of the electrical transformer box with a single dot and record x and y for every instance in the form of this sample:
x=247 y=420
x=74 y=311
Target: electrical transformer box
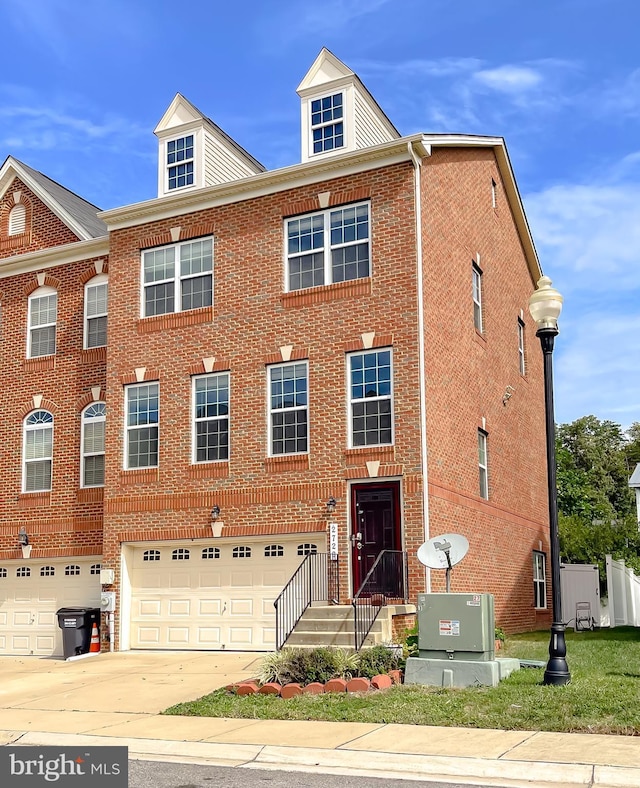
x=456 y=626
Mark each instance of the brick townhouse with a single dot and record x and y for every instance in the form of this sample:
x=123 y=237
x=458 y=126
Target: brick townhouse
x=332 y=356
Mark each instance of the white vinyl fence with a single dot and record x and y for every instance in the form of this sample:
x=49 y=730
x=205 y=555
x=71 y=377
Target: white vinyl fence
x=624 y=594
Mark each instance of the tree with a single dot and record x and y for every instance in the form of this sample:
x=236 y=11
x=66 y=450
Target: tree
x=596 y=508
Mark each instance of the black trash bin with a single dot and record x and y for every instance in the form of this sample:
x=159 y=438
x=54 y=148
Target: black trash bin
x=76 y=624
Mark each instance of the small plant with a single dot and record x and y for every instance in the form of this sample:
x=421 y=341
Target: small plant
x=346 y=663
x=273 y=667
x=410 y=642
x=500 y=634
x=375 y=660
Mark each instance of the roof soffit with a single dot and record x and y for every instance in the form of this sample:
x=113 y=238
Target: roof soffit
x=325 y=68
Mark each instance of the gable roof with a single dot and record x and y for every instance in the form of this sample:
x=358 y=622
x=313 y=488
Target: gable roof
x=634 y=481
x=182 y=112
x=80 y=216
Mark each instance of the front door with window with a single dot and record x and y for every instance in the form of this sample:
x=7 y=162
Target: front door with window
x=375 y=526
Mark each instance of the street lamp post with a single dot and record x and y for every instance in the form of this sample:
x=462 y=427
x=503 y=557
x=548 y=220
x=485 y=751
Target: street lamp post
x=545 y=306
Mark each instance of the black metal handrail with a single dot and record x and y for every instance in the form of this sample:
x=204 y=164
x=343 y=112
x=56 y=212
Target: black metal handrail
x=315 y=580
x=386 y=581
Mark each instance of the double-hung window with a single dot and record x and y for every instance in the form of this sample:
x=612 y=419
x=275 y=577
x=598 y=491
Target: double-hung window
x=211 y=417
x=93 y=423
x=95 y=312
x=180 y=162
x=177 y=278
x=539 y=580
x=142 y=423
x=370 y=395
x=43 y=316
x=288 y=408
x=327 y=123
x=476 y=278
x=483 y=465
x=328 y=247
x=37 y=452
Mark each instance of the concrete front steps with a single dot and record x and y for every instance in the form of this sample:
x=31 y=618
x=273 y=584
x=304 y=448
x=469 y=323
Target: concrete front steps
x=333 y=625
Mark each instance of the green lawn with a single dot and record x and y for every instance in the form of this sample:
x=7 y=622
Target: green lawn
x=603 y=696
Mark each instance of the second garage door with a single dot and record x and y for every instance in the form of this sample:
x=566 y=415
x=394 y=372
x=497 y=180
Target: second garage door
x=203 y=596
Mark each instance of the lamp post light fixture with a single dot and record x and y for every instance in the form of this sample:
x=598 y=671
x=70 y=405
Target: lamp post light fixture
x=545 y=306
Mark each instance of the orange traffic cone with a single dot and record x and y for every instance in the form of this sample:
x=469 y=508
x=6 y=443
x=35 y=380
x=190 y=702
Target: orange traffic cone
x=95 y=640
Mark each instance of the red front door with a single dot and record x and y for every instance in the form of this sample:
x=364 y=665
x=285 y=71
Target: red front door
x=375 y=526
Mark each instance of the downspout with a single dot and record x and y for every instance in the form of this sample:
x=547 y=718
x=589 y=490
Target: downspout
x=417 y=164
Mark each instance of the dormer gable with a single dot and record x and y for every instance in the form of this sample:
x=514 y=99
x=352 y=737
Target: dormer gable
x=338 y=113
x=194 y=152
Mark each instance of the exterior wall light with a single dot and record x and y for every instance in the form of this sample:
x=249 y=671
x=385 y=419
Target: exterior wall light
x=215 y=513
x=331 y=505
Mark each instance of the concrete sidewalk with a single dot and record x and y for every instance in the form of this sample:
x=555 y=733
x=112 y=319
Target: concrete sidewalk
x=114 y=699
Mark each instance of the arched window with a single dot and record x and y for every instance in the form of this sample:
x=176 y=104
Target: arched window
x=181 y=554
x=306 y=548
x=210 y=552
x=37 y=452
x=93 y=421
x=17 y=219
x=273 y=551
x=151 y=555
x=43 y=315
x=95 y=311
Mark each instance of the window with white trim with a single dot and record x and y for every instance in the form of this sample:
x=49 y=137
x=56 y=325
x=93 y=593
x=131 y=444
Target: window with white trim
x=521 y=359
x=47 y=571
x=93 y=424
x=273 y=551
x=288 y=408
x=241 y=552
x=180 y=162
x=43 y=316
x=72 y=570
x=23 y=571
x=483 y=465
x=151 y=555
x=327 y=247
x=539 y=580
x=95 y=569
x=370 y=398
x=17 y=220
x=3 y=572
x=211 y=417
x=142 y=425
x=327 y=123
x=476 y=275
x=96 y=293
x=37 y=451
x=210 y=553
x=177 y=278
x=181 y=554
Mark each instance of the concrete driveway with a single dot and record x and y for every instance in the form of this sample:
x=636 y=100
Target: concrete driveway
x=88 y=694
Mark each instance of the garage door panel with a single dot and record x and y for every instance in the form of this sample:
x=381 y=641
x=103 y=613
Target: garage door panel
x=3 y=619
x=22 y=618
x=45 y=643
x=209 y=580
x=222 y=594
x=209 y=607
x=241 y=579
x=149 y=607
x=20 y=643
x=209 y=636
x=46 y=618
x=179 y=607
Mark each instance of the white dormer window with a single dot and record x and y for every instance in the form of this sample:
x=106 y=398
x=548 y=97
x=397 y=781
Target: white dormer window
x=180 y=162
x=327 y=123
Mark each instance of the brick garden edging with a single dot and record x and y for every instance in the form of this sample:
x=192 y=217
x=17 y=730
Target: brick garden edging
x=358 y=684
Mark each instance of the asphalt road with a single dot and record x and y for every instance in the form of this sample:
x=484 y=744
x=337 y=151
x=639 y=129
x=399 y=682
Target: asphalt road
x=152 y=774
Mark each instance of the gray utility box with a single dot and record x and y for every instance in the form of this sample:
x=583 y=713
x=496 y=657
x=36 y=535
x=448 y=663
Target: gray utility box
x=456 y=626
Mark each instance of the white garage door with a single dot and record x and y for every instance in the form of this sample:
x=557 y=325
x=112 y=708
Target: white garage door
x=31 y=591
x=212 y=596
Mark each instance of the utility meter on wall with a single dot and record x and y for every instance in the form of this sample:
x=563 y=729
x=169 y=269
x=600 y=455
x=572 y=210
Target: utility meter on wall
x=108 y=601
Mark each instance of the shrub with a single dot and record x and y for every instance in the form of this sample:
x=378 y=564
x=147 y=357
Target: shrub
x=273 y=667
x=375 y=660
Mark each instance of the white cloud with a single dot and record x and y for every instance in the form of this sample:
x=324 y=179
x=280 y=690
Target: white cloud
x=588 y=239
x=509 y=78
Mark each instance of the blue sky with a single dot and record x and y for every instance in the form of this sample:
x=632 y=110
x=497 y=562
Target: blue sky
x=85 y=82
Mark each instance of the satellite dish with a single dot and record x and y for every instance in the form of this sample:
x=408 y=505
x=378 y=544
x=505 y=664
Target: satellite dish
x=443 y=552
